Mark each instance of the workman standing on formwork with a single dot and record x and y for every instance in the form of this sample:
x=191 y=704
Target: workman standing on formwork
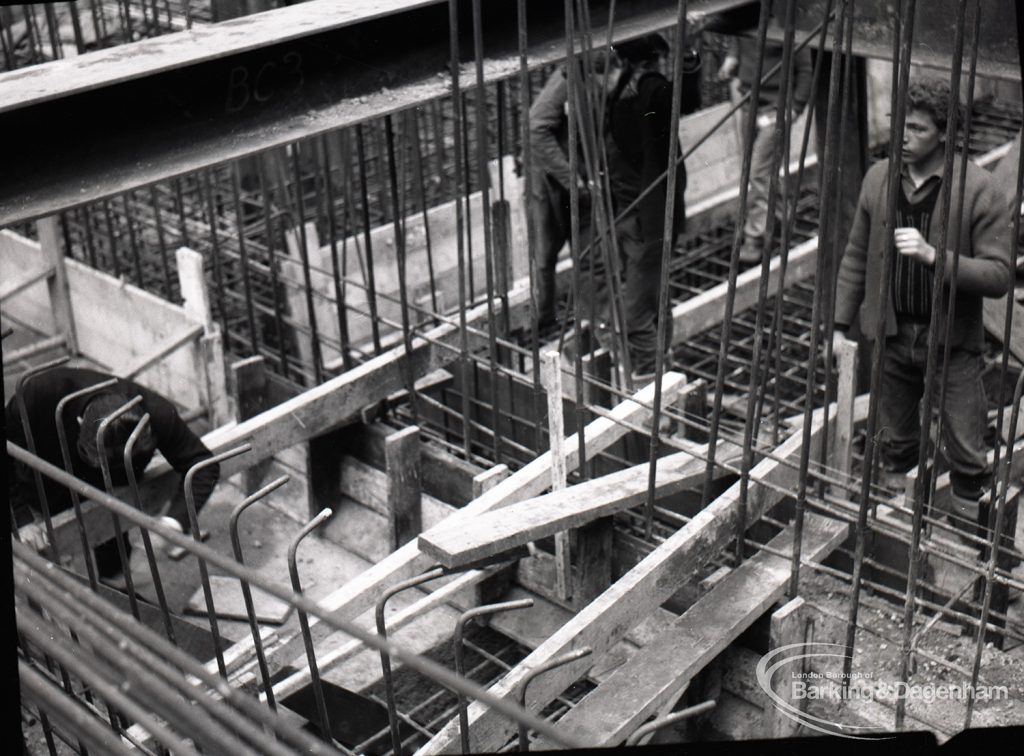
x=81 y=416
x=982 y=236
x=552 y=178
x=741 y=65
x=640 y=121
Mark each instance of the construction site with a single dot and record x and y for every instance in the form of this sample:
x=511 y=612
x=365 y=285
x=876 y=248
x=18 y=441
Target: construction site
x=424 y=518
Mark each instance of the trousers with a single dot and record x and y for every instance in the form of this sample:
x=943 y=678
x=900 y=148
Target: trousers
x=963 y=417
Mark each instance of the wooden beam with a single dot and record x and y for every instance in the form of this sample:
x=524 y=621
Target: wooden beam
x=57 y=286
x=444 y=476
x=209 y=356
x=551 y=377
x=606 y=619
x=360 y=593
x=846 y=394
x=266 y=72
x=698 y=314
x=786 y=629
x=574 y=507
x=194 y=292
x=693 y=405
x=488 y=479
x=637 y=690
x=402 y=452
x=593 y=572
x=249 y=378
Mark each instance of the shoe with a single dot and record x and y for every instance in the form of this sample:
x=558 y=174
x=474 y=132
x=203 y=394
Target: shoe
x=964 y=517
x=751 y=250
x=645 y=374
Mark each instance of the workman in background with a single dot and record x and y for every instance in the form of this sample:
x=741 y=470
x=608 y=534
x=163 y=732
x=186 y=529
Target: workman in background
x=551 y=177
x=640 y=122
x=166 y=432
x=741 y=65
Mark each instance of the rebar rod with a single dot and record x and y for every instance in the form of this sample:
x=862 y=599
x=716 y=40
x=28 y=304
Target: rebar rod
x=165 y=656
x=337 y=272
x=461 y=191
x=734 y=261
x=371 y=280
x=250 y=610
x=300 y=222
x=531 y=231
x=133 y=486
x=938 y=292
x=572 y=80
x=399 y=236
x=265 y=189
x=902 y=46
x=385 y=659
x=667 y=240
x=193 y=519
x=108 y=483
x=92 y=671
x=26 y=425
x=531 y=674
x=307 y=638
x=831 y=141
x=37 y=687
x=460 y=665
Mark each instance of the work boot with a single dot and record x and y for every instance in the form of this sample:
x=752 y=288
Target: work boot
x=751 y=250
x=963 y=516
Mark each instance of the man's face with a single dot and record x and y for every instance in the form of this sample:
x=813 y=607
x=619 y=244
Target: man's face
x=921 y=137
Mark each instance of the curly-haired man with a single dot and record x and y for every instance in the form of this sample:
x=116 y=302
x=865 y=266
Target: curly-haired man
x=981 y=235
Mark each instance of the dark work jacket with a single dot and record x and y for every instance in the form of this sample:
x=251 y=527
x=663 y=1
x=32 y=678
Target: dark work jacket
x=179 y=445
x=982 y=235
x=640 y=129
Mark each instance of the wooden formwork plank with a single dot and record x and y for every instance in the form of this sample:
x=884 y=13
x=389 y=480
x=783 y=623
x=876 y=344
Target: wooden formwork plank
x=637 y=690
x=699 y=313
x=404 y=493
x=649 y=584
x=57 y=286
x=359 y=594
x=542 y=516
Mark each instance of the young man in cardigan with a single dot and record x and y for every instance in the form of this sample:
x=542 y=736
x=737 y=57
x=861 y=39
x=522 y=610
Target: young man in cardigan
x=981 y=235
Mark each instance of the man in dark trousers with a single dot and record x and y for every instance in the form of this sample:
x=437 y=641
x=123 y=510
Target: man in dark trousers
x=983 y=239
x=82 y=416
x=552 y=179
x=637 y=143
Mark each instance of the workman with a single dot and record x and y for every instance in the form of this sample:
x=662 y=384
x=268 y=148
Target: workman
x=637 y=144
x=166 y=432
x=551 y=177
x=741 y=66
x=981 y=235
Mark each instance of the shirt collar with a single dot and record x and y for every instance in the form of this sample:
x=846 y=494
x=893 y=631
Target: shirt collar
x=935 y=173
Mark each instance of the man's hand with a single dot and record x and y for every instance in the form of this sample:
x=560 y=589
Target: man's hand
x=909 y=242
x=729 y=67
x=838 y=338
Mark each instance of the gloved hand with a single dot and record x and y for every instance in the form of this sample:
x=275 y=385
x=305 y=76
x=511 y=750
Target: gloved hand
x=159 y=542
